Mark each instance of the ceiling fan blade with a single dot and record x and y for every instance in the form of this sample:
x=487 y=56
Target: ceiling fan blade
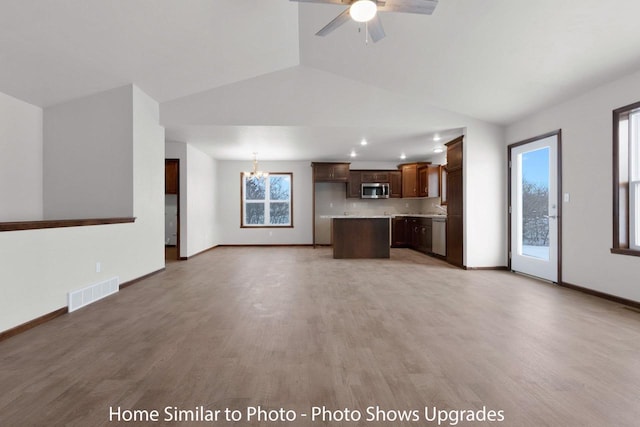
x=425 y=7
x=375 y=29
x=338 y=21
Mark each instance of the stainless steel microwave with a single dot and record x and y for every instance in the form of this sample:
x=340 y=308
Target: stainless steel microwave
x=375 y=190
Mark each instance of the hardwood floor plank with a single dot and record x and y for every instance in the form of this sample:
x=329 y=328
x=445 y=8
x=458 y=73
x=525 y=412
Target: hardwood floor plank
x=294 y=328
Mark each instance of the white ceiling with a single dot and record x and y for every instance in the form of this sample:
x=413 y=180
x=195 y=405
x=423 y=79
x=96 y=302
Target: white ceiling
x=236 y=76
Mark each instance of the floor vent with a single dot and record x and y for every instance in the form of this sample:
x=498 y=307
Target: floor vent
x=92 y=293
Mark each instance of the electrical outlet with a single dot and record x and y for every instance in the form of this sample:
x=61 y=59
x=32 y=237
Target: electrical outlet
x=98 y=267
x=566 y=197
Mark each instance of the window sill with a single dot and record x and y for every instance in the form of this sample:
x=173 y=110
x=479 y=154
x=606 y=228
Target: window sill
x=60 y=223
x=625 y=251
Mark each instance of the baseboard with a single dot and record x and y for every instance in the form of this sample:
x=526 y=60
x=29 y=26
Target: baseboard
x=139 y=279
x=616 y=299
x=32 y=323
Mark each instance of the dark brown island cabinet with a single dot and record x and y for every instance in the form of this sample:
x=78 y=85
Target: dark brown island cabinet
x=454 y=183
x=361 y=237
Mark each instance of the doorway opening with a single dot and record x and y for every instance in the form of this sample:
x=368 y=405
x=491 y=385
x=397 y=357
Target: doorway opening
x=535 y=220
x=171 y=210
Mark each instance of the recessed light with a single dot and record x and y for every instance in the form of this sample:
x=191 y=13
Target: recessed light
x=363 y=142
x=403 y=156
x=436 y=137
x=353 y=153
x=438 y=150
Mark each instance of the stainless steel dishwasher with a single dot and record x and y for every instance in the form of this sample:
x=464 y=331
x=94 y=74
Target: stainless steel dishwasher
x=439 y=243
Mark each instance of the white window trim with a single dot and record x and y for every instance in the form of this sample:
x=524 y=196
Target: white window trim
x=267 y=201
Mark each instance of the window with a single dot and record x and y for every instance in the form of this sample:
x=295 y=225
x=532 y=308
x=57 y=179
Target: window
x=626 y=172
x=266 y=201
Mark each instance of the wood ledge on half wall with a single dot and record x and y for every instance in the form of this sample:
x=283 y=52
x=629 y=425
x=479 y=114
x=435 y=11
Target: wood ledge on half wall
x=60 y=223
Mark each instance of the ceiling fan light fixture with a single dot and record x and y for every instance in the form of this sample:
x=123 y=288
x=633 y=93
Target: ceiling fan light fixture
x=363 y=10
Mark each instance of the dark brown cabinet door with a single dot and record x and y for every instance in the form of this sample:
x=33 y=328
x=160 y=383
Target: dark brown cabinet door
x=454 y=240
x=423 y=181
x=375 y=176
x=399 y=232
x=395 y=186
x=409 y=180
x=330 y=172
x=353 y=186
x=454 y=192
x=171 y=176
x=455 y=218
x=454 y=154
x=433 y=180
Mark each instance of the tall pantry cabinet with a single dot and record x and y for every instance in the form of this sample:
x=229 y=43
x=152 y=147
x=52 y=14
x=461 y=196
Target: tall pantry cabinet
x=455 y=254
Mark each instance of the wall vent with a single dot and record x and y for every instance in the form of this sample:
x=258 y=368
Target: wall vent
x=93 y=293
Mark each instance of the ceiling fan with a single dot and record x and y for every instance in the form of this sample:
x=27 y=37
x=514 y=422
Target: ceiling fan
x=366 y=11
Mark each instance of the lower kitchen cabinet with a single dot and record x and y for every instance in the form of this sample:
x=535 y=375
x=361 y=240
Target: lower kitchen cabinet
x=399 y=232
x=413 y=232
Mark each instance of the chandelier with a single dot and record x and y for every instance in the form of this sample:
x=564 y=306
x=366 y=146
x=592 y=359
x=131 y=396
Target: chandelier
x=255 y=173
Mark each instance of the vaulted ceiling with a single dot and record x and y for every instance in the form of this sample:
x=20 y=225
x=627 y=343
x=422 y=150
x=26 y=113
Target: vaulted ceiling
x=236 y=76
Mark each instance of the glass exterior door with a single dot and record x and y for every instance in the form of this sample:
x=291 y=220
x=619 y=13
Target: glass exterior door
x=534 y=208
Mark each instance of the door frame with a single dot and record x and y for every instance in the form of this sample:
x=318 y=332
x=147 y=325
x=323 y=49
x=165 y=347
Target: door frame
x=510 y=147
x=177 y=162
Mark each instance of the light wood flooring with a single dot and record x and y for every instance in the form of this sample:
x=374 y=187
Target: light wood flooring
x=293 y=328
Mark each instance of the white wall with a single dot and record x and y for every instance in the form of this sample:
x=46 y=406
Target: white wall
x=202 y=233
x=485 y=200
x=88 y=165
x=199 y=223
x=20 y=160
x=39 y=267
x=586 y=124
x=228 y=200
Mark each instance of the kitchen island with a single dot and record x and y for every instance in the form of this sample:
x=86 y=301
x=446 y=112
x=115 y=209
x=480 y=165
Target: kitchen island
x=361 y=237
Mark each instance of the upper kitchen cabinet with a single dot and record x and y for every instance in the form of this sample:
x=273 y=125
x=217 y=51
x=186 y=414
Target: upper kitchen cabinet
x=171 y=176
x=433 y=180
x=330 y=172
x=411 y=185
x=454 y=154
x=375 y=176
x=395 y=184
x=353 y=186
x=423 y=181
x=409 y=180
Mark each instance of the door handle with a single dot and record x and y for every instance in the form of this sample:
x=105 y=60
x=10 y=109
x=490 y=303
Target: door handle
x=551 y=216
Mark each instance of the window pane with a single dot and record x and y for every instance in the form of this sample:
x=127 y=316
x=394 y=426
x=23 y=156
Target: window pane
x=535 y=203
x=280 y=187
x=255 y=188
x=279 y=213
x=254 y=213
